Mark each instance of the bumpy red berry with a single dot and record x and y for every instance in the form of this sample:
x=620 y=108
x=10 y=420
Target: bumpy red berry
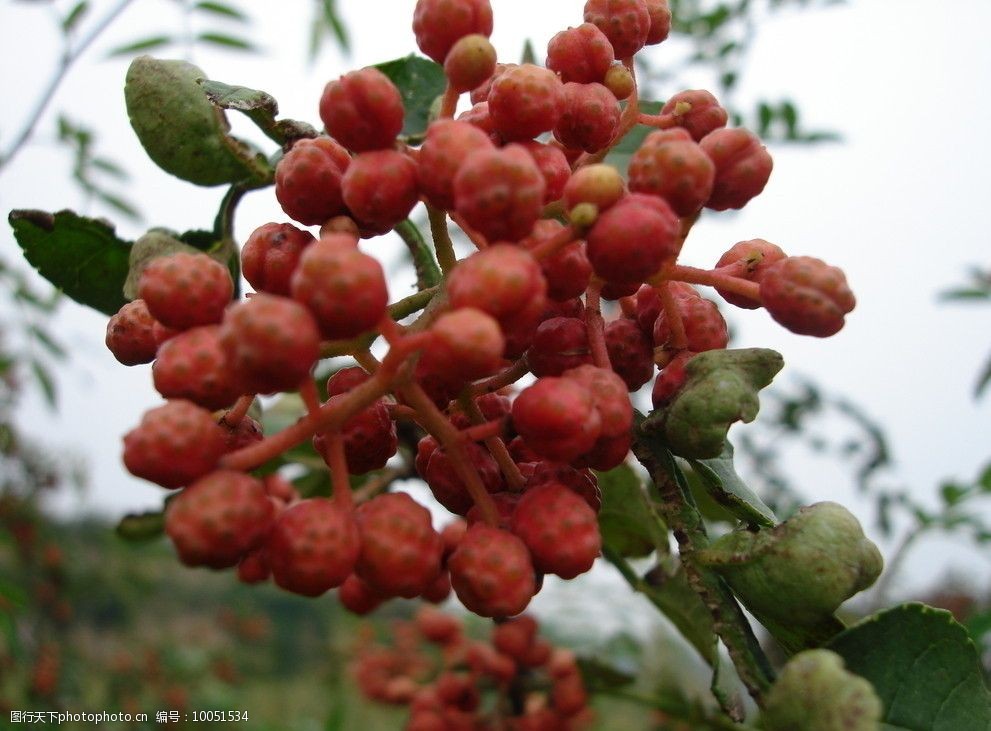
x=492 y=573
x=557 y=418
x=369 y=438
x=467 y=342
x=626 y=23
x=500 y=192
x=609 y=396
x=559 y=528
x=582 y=482
x=633 y=239
x=660 y=21
x=253 y=567
x=502 y=280
x=270 y=255
x=748 y=260
x=705 y=328
x=313 y=547
x=560 y=343
x=363 y=110
x=553 y=165
x=436 y=468
x=515 y=637
x=525 y=101
x=671 y=165
x=358 y=597
x=581 y=54
x=567 y=270
x=271 y=342
x=308 y=180
x=193 y=366
x=218 y=519
x=344 y=288
x=380 y=188
x=174 y=444
x=469 y=62
x=670 y=380
x=589 y=117
x=345 y=379
x=743 y=167
x=478 y=116
x=400 y=550
x=131 y=334
x=807 y=296
x=185 y=290
x=631 y=353
x=447 y=144
x=438 y=24
x=247 y=431
x=697 y=111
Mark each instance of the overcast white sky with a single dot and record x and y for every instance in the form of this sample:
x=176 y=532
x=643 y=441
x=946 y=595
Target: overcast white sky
x=900 y=205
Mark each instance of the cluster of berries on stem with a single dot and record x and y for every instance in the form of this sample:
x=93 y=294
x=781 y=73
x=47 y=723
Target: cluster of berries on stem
x=558 y=234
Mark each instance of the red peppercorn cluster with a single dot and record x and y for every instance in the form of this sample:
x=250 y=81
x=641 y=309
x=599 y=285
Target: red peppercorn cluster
x=450 y=681
x=557 y=231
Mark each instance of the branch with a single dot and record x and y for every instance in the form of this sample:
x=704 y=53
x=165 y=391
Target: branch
x=69 y=57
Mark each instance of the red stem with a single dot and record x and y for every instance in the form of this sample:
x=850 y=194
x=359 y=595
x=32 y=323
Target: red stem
x=311 y=397
x=660 y=121
x=238 y=411
x=448 y=103
x=549 y=246
x=439 y=426
x=714 y=278
x=595 y=326
x=679 y=339
x=501 y=379
x=339 y=480
x=474 y=236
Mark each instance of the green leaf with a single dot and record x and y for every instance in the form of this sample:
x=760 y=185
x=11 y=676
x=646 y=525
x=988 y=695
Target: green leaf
x=726 y=488
x=420 y=81
x=182 y=131
x=628 y=522
x=598 y=675
x=81 y=256
x=682 y=605
x=529 y=54
x=145 y=44
x=44 y=379
x=222 y=9
x=75 y=15
x=240 y=98
x=333 y=21
x=109 y=167
x=47 y=341
x=983 y=380
x=720 y=389
x=140 y=527
x=226 y=41
x=923 y=666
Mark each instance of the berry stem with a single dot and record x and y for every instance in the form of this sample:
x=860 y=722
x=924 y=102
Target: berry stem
x=427 y=273
x=448 y=103
x=660 y=121
x=380 y=483
x=450 y=439
x=397 y=311
x=339 y=480
x=238 y=411
x=331 y=415
x=401 y=411
x=442 y=239
x=476 y=238
x=484 y=431
x=554 y=243
x=679 y=338
x=311 y=397
x=595 y=325
x=711 y=278
x=501 y=379
x=494 y=443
